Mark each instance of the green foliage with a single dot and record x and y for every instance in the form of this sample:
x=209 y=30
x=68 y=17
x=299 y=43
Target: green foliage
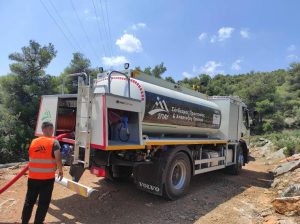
x=274 y=95
x=11 y=137
x=290 y=140
x=28 y=81
x=78 y=64
x=265 y=106
x=157 y=71
x=267 y=126
x=294 y=80
x=20 y=97
x=170 y=79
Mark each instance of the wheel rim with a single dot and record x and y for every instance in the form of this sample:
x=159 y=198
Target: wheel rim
x=178 y=175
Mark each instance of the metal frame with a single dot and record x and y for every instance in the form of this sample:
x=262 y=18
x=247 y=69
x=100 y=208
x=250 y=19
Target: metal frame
x=209 y=160
x=84 y=97
x=224 y=154
x=205 y=170
x=120 y=73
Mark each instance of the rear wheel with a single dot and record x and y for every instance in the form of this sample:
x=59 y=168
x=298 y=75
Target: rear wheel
x=178 y=176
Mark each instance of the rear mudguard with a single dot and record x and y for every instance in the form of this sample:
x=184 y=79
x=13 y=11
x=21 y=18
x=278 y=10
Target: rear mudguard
x=150 y=177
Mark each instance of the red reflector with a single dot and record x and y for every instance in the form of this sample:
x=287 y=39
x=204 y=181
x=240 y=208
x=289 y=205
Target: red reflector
x=98 y=171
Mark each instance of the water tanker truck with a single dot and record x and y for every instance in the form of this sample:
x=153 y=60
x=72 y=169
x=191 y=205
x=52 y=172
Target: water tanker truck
x=128 y=124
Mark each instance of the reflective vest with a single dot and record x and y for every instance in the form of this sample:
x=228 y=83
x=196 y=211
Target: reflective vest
x=41 y=163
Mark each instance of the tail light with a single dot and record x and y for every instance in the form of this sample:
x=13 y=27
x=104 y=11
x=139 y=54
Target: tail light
x=98 y=171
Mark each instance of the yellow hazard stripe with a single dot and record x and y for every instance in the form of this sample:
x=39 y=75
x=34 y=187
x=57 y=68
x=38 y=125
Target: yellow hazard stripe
x=187 y=142
x=77 y=188
x=164 y=142
x=120 y=147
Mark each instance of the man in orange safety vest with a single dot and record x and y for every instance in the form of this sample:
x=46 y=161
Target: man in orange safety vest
x=44 y=159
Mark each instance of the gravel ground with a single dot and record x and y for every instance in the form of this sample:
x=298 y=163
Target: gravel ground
x=213 y=198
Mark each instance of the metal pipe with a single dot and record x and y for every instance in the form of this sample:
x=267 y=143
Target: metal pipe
x=121 y=73
x=74 y=186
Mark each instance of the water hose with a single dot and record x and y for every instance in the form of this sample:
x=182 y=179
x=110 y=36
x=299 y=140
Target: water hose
x=124 y=125
x=22 y=172
x=14 y=179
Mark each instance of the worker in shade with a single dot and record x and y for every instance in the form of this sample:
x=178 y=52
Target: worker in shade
x=44 y=160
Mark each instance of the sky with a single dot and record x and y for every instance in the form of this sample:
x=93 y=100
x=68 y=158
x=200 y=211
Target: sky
x=189 y=37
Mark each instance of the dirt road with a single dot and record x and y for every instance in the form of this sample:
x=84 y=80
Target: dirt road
x=213 y=198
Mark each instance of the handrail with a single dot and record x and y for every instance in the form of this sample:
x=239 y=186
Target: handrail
x=121 y=73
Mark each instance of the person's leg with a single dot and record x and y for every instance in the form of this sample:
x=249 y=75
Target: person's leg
x=31 y=196
x=45 y=195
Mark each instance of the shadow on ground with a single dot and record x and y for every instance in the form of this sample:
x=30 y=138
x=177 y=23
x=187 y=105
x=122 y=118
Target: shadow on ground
x=122 y=203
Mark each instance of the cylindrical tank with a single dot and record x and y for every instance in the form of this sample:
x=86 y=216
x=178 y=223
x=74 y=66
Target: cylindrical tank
x=166 y=111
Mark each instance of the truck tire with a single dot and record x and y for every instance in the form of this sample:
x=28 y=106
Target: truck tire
x=236 y=168
x=177 y=177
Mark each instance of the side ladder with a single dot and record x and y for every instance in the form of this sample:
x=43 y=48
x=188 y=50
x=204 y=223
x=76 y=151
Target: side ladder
x=83 y=123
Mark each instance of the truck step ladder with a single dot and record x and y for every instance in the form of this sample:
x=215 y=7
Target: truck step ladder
x=83 y=122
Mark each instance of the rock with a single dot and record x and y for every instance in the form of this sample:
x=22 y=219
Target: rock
x=275 y=183
x=287 y=205
x=149 y=204
x=292 y=191
x=271 y=220
x=280 y=187
x=277 y=155
x=182 y=217
x=262 y=139
x=266 y=212
x=286 y=167
x=267 y=149
x=297 y=170
x=7 y=165
x=290 y=121
x=291 y=158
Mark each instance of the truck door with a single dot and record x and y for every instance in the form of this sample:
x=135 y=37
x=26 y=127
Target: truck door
x=245 y=126
x=47 y=112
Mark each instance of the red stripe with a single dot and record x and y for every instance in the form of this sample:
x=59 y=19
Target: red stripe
x=104 y=119
x=97 y=146
x=139 y=86
x=68 y=140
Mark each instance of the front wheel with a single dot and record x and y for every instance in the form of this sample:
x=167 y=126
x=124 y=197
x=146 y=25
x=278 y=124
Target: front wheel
x=237 y=168
x=178 y=176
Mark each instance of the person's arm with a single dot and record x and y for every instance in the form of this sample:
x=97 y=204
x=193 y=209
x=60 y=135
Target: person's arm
x=59 y=164
x=57 y=156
